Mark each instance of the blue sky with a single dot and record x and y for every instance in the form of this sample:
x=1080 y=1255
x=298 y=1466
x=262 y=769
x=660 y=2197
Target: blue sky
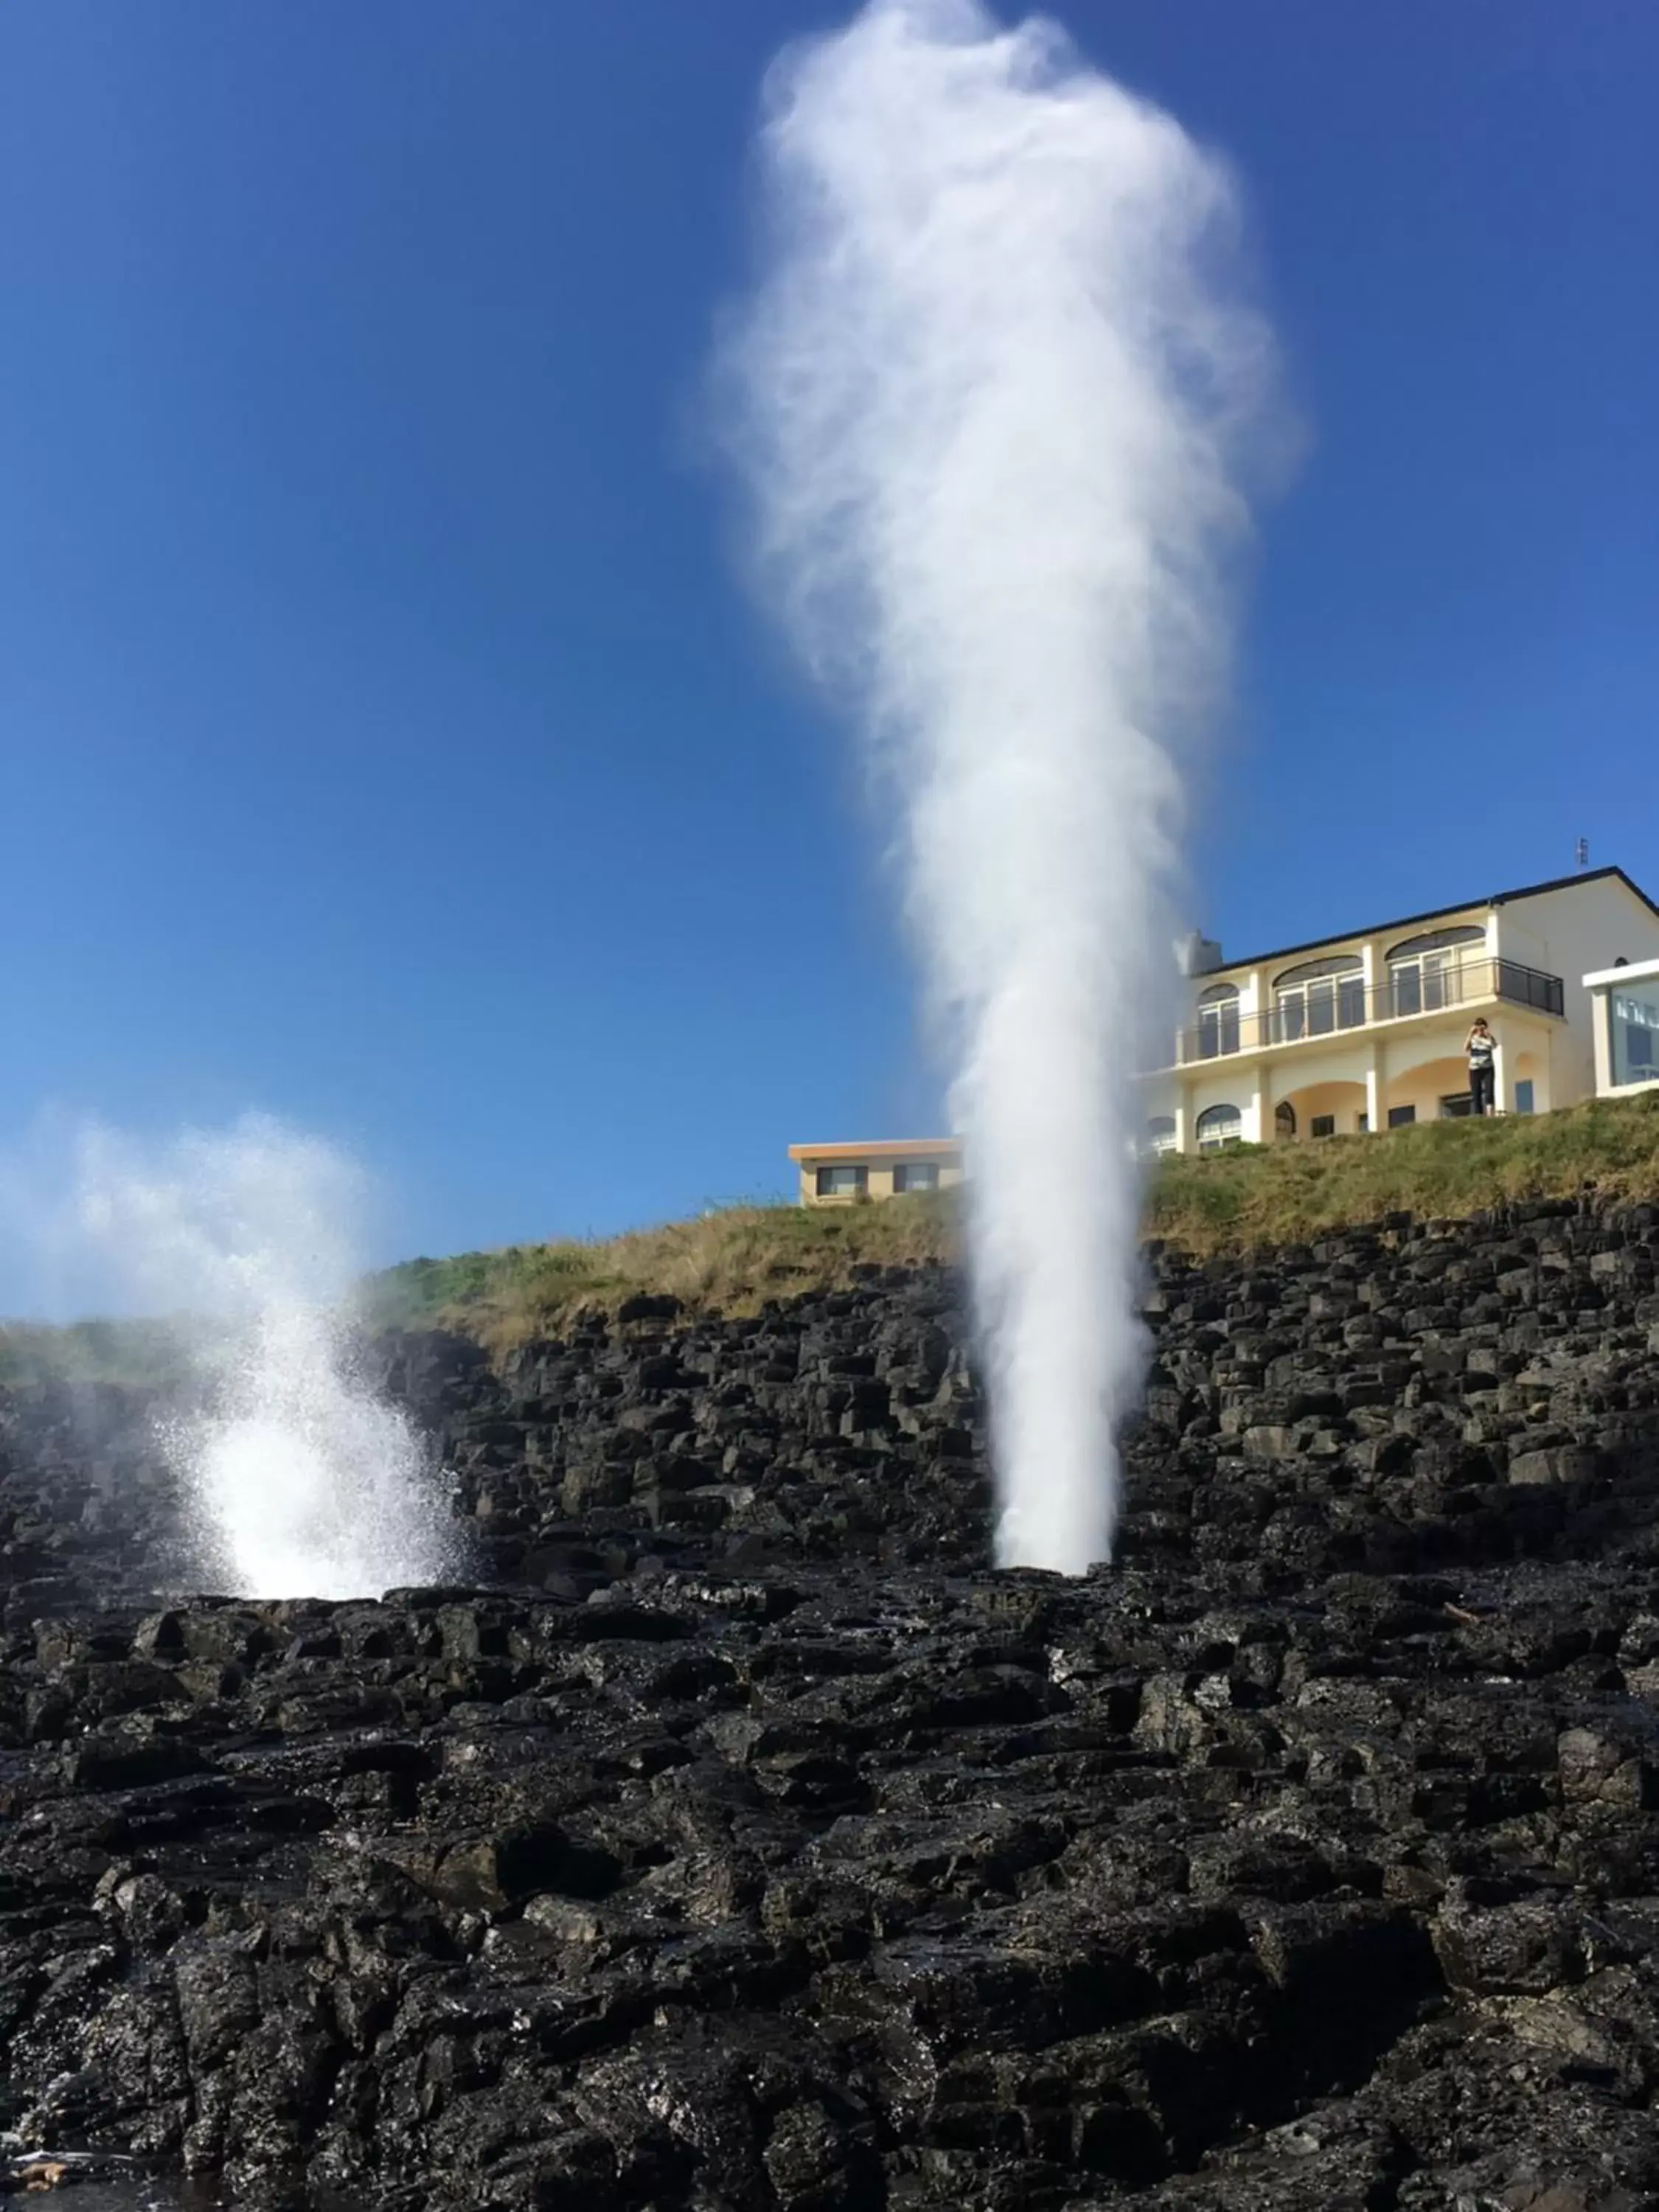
x=386 y=742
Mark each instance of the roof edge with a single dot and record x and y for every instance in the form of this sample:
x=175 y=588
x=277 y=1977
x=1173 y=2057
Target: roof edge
x=1439 y=914
x=880 y=1148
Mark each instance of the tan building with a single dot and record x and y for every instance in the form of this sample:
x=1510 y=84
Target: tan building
x=849 y=1174
x=1366 y=1030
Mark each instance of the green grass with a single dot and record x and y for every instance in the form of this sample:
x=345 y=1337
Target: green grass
x=731 y=1259
x=1282 y=1194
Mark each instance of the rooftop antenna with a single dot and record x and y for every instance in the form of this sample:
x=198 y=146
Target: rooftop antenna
x=1581 y=851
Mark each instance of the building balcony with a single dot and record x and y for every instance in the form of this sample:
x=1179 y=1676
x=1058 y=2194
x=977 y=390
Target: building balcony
x=1345 y=1005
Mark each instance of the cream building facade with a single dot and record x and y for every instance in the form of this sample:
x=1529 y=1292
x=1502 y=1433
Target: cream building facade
x=854 y=1174
x=1366 y=1030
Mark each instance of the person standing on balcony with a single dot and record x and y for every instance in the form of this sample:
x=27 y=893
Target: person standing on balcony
x=1479 y=1046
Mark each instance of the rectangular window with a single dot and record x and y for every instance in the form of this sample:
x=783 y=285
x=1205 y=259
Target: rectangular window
x=916 y=1175
x=1401 y=1116
x=1457 y=1107
x=1364 y=1125
x=842 y=1183
x=1323 y=1125
x=1634 y=1015
x=1524 y=1097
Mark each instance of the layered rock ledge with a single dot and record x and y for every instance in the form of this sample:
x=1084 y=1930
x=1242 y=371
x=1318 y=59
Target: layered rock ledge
x=732 y=1838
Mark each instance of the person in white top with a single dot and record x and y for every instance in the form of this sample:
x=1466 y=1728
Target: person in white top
x=1479 y=1048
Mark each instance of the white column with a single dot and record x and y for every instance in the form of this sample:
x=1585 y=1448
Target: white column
x=1375 y=1091
x=1263 y=1075
x=1601 y=1038
x=1500 y=1079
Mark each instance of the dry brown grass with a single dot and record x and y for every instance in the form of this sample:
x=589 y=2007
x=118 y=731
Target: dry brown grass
x=732 y=1260
x=729 y=1261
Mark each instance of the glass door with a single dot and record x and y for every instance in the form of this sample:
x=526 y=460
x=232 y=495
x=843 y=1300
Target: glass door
x=1320 y=1005
x=1422 y=985
x=1218 y=1026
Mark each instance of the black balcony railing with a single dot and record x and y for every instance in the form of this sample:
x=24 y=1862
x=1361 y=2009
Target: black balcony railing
x=1334 y=1004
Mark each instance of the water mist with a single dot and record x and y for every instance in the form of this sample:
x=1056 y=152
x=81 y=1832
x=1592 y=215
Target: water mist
x=991 y=396
x=303 y=1479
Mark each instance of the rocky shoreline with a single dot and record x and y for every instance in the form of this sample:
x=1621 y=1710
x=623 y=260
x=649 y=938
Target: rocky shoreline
x=730 y=1836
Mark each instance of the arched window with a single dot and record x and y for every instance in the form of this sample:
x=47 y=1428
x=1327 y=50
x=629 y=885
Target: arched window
x=1161 y=1134
x=1429 y=971
x=1218 y=1125
x=1317 y=996
x=1218 y=1020
x=1284 y=1119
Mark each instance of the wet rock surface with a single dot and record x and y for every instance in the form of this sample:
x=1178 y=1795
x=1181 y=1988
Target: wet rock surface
x=734 y=1839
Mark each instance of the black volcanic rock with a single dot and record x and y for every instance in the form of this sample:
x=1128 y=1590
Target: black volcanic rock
x=732 y=1838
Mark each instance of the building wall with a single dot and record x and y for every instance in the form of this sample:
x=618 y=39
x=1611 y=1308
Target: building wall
x=879 y=1174
x=1570 y=933
x=1342 y=1097
x=1369 y=1072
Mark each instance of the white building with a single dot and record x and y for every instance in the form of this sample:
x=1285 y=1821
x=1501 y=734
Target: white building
x=1366 y=1030
x=1625 y=1012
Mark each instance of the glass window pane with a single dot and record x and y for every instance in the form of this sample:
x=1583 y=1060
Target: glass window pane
x=1524 y=1097
x=841 y=1183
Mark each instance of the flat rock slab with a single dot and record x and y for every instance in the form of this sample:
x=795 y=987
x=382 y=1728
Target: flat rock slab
x=729 y=1836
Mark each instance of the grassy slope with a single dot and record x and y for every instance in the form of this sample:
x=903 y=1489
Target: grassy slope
x=1438 y=1169
x=732 y=1260
x=727 y=1261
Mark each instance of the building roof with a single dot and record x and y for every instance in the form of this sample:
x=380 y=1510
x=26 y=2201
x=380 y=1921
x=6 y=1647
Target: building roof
x=1440 y=913
x=1627 y=971
x=886 y=1148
